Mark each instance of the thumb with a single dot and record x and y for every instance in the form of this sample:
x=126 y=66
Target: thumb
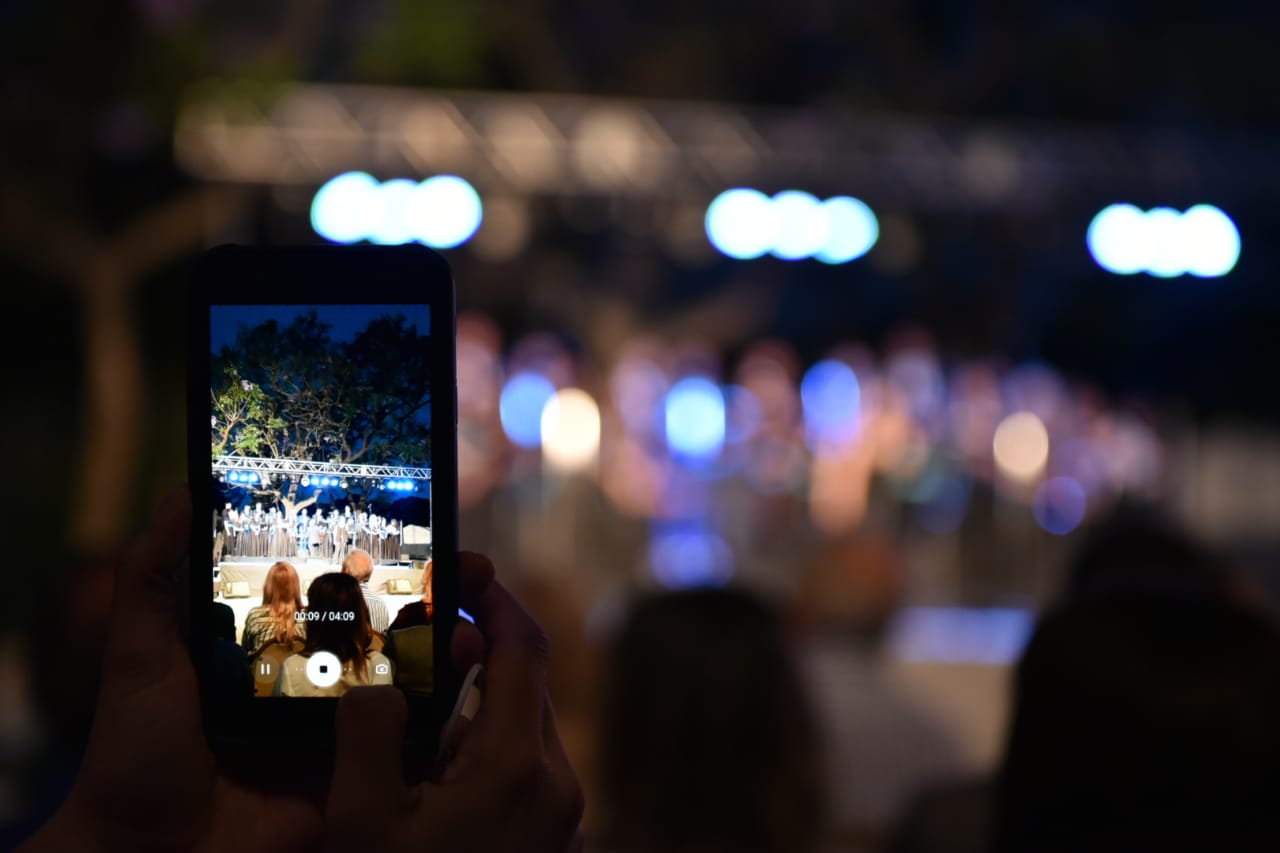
x=368 y=773
x=144 y=617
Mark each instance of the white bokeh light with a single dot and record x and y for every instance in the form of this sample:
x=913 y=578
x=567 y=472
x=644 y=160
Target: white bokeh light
x=570 y=430
x=1021 y=446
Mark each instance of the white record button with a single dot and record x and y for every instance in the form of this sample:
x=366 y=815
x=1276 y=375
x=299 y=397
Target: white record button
x=324 y=669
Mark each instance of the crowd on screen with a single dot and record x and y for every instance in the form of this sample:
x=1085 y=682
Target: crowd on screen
x=338 y=616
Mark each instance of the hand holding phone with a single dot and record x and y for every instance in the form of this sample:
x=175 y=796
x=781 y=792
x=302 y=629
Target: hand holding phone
x=510 y=786
x=149 y=780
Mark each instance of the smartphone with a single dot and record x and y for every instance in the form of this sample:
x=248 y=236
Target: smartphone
x=322 y=447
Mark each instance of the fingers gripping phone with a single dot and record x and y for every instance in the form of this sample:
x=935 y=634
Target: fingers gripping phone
x=322 y=455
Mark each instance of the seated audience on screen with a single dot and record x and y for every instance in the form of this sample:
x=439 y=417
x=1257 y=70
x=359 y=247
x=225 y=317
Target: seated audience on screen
x=275 y=621
x=359 y=565
x=340 y=627
x=410 y=645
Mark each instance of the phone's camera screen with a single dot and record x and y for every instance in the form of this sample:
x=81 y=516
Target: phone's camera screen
x=320 y=437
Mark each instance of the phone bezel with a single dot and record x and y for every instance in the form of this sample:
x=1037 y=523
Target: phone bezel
x=323 y=275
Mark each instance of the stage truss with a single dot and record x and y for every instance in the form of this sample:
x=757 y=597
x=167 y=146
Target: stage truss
x=527 y=145
x=296 y=468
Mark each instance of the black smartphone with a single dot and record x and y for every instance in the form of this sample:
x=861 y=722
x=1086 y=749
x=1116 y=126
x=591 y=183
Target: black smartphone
x=322 y=445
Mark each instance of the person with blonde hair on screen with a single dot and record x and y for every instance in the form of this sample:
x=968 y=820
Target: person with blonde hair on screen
x=275 y=620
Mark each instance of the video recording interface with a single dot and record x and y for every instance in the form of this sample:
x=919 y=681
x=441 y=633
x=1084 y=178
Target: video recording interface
x=320 y=429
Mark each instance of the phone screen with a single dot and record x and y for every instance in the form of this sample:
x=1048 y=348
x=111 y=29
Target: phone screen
x=320 y=429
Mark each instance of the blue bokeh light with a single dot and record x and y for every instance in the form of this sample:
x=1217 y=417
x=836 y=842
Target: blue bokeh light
x=852 y=230
x=442 y=212
x=742 y=223
x=1213 y=241
x=1201 y=241
x=520 y=408
x=1059 y=505
x=832 y=401
x=694 y=416
x=803 y=227
x=390 y=227
x=345 y=207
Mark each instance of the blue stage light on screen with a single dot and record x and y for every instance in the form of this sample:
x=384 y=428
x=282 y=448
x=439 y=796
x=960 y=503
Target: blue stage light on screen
x=694 y=417
x=520 y=408
x=803 y=226
x=345 y=208
x=852 y=230
x=444 y=212
x=742 y=223
x=832 y=401
x=1059 y=505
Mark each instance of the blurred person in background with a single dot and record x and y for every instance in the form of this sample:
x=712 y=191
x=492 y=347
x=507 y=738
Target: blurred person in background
x=351 y=640
x=1146 y=705
x=883 y=746
x=706 y=742
x=276 y=619
x=1132 y=567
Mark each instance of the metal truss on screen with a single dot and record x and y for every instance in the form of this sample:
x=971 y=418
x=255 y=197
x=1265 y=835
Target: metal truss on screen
x=566 y=145
x=298 y=467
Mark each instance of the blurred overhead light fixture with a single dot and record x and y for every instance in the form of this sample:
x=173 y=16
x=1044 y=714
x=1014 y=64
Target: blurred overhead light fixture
x=792 y=225
x=441 y=212
x=1201 y=241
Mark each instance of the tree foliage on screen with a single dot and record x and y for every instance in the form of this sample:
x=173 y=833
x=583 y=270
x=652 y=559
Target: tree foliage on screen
x=293 y=392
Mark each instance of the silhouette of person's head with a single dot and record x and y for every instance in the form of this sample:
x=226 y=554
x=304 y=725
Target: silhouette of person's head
x=1139 y=551
x=707 y=739
x=1145 y=708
